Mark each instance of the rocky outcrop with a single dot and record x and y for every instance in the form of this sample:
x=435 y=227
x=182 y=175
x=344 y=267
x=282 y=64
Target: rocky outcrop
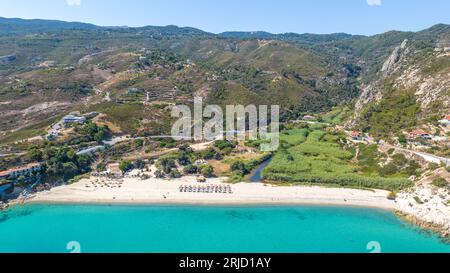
x=391 y=64
x=426 y=204
x=373 y=92
x=422 y=72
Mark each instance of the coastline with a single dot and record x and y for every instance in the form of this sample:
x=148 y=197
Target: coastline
x=425 y=206
x=439 y=229
x=159 y=192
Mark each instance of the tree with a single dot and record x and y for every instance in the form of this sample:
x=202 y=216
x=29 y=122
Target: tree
x=139 y=143
x=71 y=155
x=125 y=166
x=99 y=136
x=167 y=165
x=35 y=154
x=240 y=168
x=159 y=174
x=208 y=154
x=440 y=182
x=402 y=139
x=190 y=169
x=223 y=144
x=69 y=170
x=175 y=174
x=185 y=148
x=139 y=164
x=184 y=159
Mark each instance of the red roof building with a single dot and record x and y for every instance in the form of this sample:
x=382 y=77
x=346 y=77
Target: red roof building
x=21 y=171
x=309 y=117
x=356 y=135
x=419 y=133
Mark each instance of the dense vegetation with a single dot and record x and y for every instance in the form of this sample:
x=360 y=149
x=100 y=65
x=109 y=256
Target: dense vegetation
x=323 y=158
x=395 y=113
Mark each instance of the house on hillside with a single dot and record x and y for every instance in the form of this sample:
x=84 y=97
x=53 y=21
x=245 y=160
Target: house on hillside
x=420 y=134
x=134 y=90
x=28 y=172
x=91 y=115
x=71 y=119
x=357 y=136
x=445 y=121
x=309 y=118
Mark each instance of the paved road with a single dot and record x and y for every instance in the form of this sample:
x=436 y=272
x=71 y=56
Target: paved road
x=15 y=154
x=426 y=156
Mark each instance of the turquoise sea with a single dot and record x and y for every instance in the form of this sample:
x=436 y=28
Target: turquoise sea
x=50 y=228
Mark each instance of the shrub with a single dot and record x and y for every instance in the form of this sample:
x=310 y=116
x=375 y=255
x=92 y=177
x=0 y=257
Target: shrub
x=240 y=168
x=159 y=174
x=433 y=166
x=400 y=160
x=167 y=164
x=392 y=196
x=175 y=174
x=418 y=201
x=440 y=182
x=101 y=167
x=139 y=164
x=184 y=159
x=125 y=166
x=206 y=170
x=389 y=169
x=190 y=169
x=209 y=154
x=223 y=144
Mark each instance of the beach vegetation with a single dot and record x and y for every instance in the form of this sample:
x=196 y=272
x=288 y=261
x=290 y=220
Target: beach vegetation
x=139 y=164
x=174 y=173
x=190 y=169
x=126 y=166
x=206 y=170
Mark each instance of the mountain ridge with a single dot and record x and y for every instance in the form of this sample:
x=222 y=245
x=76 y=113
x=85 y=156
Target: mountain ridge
x=304 y=73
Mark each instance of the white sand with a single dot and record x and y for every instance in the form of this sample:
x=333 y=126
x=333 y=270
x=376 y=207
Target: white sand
x=157 y=191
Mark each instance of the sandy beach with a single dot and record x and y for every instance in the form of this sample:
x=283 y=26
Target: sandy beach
x=158 y=191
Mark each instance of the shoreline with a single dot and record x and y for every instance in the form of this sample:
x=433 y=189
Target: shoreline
x=196 y=203
x=158 y=192
x=443 y=233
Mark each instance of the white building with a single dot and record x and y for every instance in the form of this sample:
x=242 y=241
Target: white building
x=445 y=121
x=69 y=119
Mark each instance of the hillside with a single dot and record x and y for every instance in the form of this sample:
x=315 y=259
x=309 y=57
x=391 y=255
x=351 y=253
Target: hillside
x=410 y=88
x=55 y=72
x=16 y=26
x=50 y=68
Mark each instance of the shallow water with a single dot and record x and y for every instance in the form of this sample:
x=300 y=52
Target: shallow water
x=49 y=228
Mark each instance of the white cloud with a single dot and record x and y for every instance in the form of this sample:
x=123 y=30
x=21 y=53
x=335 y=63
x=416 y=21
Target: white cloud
x=374 y=2
x=73 y=2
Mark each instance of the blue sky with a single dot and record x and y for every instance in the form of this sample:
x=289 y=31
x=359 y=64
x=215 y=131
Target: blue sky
x=277 y=16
